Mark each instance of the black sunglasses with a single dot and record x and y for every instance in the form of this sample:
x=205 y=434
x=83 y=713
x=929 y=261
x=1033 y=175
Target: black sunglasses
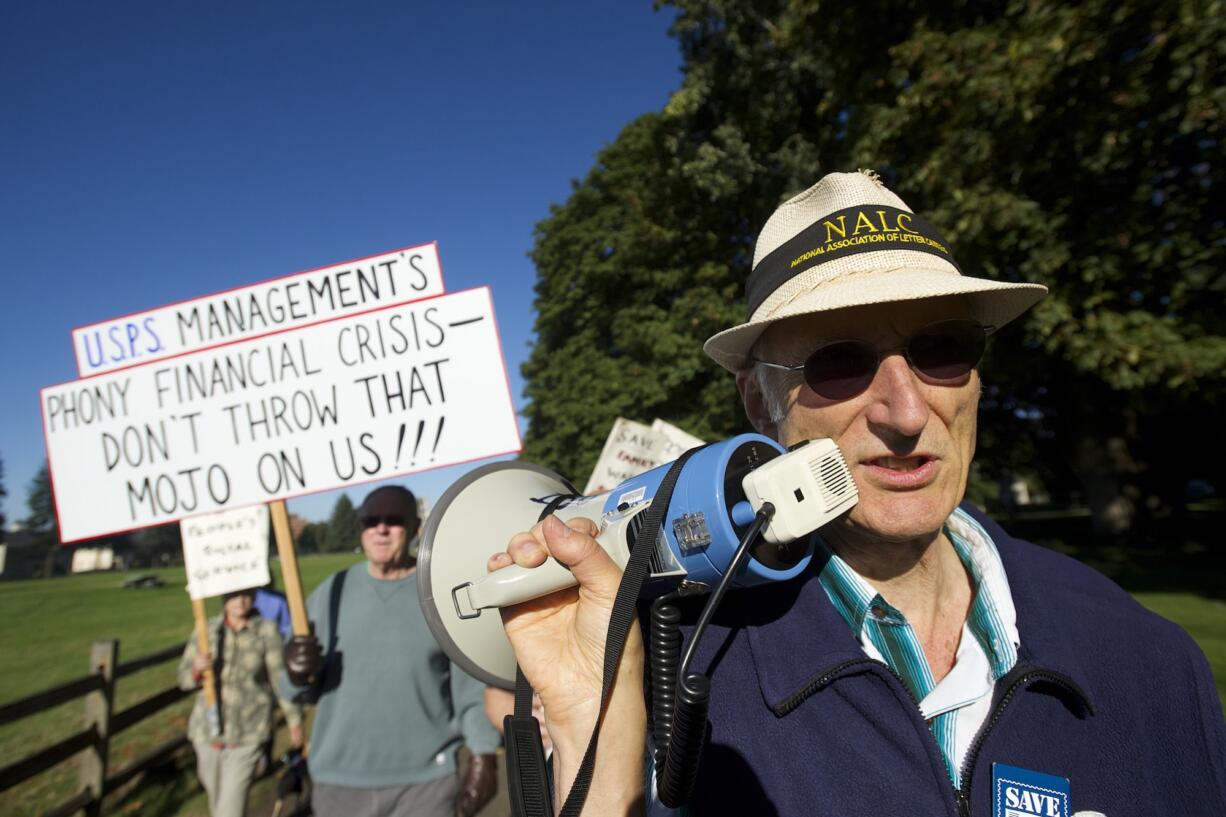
x=942 y=353
x=391 y=520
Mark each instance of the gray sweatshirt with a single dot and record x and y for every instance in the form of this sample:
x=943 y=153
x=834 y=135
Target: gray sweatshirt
x=392 y=708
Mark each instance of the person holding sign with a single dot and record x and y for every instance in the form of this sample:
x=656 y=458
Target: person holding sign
x=245 y=656
x=926 y=662
x=392 y=709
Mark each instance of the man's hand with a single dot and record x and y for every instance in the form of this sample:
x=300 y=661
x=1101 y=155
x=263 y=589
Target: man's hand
x=559 y=642
x=303 y=658
x=296 y=737
x=480 y=784
x=201 y=662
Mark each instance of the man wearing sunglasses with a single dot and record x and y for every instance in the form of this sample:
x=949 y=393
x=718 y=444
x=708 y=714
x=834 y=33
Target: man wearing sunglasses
x=928 y=663
x=392 y=710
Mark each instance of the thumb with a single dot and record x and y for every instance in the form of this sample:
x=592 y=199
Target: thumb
x=574 y=544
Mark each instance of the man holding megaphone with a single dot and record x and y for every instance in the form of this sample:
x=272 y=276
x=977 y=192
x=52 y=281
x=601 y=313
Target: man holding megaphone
x=925 y=662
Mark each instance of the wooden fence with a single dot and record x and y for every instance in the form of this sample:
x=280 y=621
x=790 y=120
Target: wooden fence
x=101 y=724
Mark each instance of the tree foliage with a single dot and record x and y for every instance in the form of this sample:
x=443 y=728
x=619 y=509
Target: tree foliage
x=1078 y=144
x=312 y=538
x=158 y=545
x=343 y=531
x=41 y=521
x=3 y=494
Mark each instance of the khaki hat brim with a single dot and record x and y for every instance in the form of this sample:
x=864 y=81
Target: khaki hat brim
x=992 y=303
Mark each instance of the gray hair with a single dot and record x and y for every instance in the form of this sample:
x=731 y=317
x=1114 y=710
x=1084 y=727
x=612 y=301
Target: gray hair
x=775 y=386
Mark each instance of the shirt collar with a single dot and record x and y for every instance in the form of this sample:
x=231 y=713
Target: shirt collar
x=799 y=643
x=992 y=618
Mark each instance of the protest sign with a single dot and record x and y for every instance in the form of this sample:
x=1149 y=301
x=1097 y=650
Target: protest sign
x=225 y=551
x=275 y=305
x=389 y=392
x=632 y=448
x=676 y=441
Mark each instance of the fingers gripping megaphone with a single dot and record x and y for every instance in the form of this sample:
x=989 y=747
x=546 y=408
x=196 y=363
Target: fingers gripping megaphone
x=717 y=495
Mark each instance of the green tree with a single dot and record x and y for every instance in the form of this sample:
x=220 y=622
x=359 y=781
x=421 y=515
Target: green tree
x=41 y=521
x=1074 y=143
x=313 y=538
x=3 y=494
x=158 y=545
x=343 y=531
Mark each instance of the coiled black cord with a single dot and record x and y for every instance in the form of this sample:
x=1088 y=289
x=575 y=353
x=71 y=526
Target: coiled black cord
x=679 y=710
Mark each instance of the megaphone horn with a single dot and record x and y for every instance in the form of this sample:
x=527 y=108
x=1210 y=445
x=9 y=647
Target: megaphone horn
x=719 y=491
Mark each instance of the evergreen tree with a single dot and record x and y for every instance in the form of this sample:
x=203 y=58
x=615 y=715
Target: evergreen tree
x=312 y=537
x=344 y=530
x=158 y=545
x=1078 y=144
x=3 y=494
x=41 y=521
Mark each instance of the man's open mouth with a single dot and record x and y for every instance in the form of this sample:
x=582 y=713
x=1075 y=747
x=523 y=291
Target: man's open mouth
x=903 y=464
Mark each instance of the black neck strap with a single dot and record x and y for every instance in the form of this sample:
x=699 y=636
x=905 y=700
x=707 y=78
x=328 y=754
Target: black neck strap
x=620 y=621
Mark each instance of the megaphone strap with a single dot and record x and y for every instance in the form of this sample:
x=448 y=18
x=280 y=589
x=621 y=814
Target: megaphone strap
x=528 y=787
x=620 y=620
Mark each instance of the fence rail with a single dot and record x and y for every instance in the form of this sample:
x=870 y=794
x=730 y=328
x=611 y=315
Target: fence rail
x=33 y=704
x=101 y=724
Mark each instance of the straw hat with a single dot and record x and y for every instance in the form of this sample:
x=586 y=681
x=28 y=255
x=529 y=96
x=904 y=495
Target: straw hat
x=849 y=241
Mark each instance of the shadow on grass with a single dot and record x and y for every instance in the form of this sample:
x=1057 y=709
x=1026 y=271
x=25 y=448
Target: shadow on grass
x=164 y=788
x=1183 y=554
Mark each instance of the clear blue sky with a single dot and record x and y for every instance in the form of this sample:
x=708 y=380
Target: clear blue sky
x=153 y=152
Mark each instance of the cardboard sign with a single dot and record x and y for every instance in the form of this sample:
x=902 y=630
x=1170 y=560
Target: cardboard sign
x=225 y=552
x=677 y=441
x=276 y=305
x=632 y=448
x=389 y=392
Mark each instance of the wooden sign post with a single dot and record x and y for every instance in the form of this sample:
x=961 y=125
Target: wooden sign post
x=212 y=713
x=289 y=567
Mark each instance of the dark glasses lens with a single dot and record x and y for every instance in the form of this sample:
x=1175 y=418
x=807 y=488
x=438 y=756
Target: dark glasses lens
x=841 y=370
x=942 y=353
x=373 y=521
x=947 y=351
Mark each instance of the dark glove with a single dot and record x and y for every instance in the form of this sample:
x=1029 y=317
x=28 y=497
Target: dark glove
x=479 y=785
x=303 y=658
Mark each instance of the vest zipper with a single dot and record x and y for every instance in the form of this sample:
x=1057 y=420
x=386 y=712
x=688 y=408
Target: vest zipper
x=826 y=677
x=1019 y=677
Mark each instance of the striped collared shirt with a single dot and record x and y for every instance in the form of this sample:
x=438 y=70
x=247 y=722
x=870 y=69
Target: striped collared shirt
x=956 y=707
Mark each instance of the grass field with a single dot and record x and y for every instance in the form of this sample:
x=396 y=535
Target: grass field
x=51 y=623
x=49 y=627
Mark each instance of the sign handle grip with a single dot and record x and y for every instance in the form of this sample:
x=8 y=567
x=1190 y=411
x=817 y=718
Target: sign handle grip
x=289 y=567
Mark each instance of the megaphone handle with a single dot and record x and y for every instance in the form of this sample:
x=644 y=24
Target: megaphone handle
x=515 y=584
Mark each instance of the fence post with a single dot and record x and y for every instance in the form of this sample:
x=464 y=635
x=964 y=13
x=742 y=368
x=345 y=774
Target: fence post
x=102 y=660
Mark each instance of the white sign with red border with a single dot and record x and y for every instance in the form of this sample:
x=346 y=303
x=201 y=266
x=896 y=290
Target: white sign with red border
x=297 y=300
x=393 y=391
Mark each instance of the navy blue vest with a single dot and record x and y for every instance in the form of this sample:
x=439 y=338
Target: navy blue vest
x=1105 y=693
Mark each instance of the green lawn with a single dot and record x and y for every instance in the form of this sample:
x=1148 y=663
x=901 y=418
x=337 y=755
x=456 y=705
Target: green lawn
x=51 y=623
x=1205 y=621
x=49 y=627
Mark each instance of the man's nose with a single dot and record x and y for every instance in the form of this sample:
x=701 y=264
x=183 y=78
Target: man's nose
x=898 y=399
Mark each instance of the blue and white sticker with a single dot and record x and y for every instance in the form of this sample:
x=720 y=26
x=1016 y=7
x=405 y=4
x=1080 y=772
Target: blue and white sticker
x=1023 y=793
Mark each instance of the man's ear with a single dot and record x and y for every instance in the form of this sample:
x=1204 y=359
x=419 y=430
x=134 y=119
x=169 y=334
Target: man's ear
x=755 y=404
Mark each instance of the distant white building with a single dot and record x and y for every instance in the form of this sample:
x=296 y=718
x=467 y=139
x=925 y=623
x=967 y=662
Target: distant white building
x=88 y=560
